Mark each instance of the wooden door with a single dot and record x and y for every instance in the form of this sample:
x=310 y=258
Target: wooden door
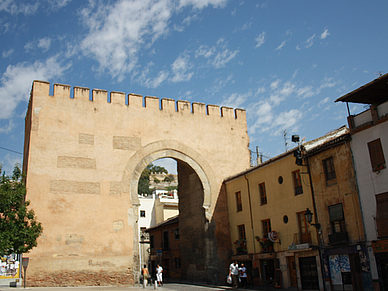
x=292 y=269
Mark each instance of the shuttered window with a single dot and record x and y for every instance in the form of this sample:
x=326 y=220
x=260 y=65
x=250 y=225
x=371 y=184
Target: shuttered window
x=376 y=155
x=382 y=215
x=328 y=167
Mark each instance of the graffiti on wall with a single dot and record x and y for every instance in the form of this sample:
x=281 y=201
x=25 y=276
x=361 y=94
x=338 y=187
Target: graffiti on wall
x=9 y=266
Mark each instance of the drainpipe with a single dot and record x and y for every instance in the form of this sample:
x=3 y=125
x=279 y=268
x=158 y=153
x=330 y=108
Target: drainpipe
x=320 y=231
x=250 y=212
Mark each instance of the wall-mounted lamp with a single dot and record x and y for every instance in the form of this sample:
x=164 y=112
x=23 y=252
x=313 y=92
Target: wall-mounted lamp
x=309 y=217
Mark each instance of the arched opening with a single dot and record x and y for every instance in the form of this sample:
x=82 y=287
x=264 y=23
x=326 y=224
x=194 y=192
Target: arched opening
x=196 y=241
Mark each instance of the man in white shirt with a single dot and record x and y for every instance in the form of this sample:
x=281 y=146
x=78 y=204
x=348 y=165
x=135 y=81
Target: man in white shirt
x=243 y=276
x=159 y=275
x=233 y=271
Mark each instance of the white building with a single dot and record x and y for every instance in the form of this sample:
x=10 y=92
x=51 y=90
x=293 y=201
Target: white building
x=153 y=210
x=369 y=130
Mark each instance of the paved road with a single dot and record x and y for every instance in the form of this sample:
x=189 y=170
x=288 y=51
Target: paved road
x=165 y=287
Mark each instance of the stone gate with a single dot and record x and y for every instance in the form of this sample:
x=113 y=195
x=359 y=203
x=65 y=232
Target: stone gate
x=83 y=156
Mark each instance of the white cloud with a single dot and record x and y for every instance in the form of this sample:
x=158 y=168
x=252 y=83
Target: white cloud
x=180 y=69
x=287 y=37
x=324 y=101
x=57 y=4
x=222 y=58
x=235 y=100
x=8 y=53
x=18 y=7
x=200 y=4
x=310 y=41
x=44 y=43
x=115 y=41
x=17 y=80
x=325 y=34
x=306 y=92
x=281 y=46
x=220 y=83
x=260 y=39
x=205 y=51
x=7 y=129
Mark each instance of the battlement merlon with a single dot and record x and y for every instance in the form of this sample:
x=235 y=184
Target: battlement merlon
x=98 y=95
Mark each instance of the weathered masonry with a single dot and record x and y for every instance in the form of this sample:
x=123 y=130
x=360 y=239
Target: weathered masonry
x=83 y=156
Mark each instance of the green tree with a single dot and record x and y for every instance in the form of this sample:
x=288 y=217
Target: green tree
x=19 y=229
x=144 y=181
x=169 y=178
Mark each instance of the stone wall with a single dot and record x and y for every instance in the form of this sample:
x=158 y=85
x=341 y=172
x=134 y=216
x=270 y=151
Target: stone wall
x=84 y=154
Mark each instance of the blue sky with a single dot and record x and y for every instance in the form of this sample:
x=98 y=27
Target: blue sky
x=285 y=62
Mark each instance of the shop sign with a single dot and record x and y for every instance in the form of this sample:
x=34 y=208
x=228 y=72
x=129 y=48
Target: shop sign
x=242 y=258
x=298 y=247
x=265 y=256
x=159 y=252
x=380 y=246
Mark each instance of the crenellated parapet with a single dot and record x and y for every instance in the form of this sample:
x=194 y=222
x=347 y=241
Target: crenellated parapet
x=135 y=100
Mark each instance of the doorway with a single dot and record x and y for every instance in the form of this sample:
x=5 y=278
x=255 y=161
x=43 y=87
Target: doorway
x=292 y=269
x=309 y=273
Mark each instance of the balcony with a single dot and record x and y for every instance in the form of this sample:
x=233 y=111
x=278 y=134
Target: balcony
x=302 y=238
x=338 y=238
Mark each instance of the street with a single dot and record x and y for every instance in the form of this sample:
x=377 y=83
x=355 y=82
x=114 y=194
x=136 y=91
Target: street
x=165 y=287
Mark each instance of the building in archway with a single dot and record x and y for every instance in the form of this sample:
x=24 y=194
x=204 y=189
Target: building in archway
x=83 y=156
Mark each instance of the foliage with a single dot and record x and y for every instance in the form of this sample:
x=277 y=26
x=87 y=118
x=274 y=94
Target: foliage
x=265 y=243
x=19 y=228
x=156 y=180
x=144 y=181
x=171 y=188
x=169 y=178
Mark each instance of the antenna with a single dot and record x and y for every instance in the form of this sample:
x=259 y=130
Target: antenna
x=285 y=139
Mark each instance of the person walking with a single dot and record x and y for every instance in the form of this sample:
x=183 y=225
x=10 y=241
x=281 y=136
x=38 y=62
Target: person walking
x=159 y=275
x=233 y=271
x=146 y=275
x=243 y=276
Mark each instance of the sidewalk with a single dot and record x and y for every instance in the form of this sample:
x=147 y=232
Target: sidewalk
x=166 y=287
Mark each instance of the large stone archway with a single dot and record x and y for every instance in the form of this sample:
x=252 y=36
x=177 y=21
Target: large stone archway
x=83 y=158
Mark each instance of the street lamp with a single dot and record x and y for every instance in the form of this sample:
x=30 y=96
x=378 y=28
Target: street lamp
x=309 y=217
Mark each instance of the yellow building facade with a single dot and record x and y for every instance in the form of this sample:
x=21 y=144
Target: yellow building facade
x=269 y=231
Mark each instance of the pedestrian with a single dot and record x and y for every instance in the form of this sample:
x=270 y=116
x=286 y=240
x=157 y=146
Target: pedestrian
x=243 y=276
x=159 y=275
x=233 y=271
x=146 y=275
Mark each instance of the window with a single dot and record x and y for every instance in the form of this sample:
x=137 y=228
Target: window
x=177 y=263
x=241 y=232
x=376 y=155
x=238 y=201
x=382 y=215
x=142 y=213
x=297 y=182
x=152 y=241
x=166 y=246
x=176 y=233
x=266 y=227
x=263 y=194
x=328 y=168
x=337 y=220
x=304 y=235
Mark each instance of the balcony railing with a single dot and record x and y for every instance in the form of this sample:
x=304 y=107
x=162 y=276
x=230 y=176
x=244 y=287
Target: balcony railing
x=338 y=238
x=302 y=238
